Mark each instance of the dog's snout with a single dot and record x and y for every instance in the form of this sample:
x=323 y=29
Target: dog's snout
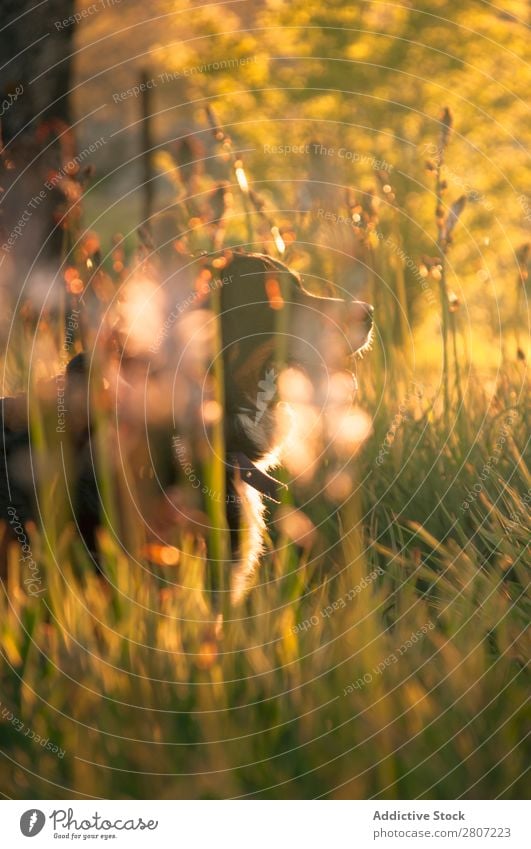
x=363 y=313
x=358 y=324
x=368 y=317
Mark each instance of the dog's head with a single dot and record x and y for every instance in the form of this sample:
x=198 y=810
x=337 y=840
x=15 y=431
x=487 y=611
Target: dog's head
x=265 y=306
x=270 y=321
x=269 y=318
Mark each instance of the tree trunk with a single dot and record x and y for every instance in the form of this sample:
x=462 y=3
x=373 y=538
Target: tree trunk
x=35 y=48
x=36 y=42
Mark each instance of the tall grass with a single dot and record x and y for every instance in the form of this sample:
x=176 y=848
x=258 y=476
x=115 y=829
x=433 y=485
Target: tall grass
x=149 y=697
x=215 y=472
x=391 y=665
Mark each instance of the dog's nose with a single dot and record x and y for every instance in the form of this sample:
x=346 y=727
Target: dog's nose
x=364 y=313
x=368 y=317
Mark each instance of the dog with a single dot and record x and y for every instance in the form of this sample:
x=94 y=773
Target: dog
x=268 y=320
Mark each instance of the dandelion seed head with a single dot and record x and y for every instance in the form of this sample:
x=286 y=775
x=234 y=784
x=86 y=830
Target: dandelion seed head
x=211 y=412
x=349 y=430
x=342 y=387
x=294 y=386
x=140 y=313
x=299 y=429
x=296 y=526
x=338 y=487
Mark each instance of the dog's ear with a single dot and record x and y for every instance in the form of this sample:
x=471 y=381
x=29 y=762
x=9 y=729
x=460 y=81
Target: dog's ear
x=252 y=293
x=261 y=279
x=255 y=278
x=255 y=288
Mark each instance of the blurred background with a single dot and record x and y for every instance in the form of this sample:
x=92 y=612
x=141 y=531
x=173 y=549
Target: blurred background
x=380 y=149
x=368 y=83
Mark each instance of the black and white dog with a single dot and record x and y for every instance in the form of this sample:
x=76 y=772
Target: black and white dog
x=163 y=397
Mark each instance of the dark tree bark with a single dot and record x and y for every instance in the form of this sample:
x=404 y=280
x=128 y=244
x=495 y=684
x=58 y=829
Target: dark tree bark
x=36 y=43
x=35 y=48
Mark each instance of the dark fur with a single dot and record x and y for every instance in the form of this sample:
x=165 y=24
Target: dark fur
x=259 y=290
